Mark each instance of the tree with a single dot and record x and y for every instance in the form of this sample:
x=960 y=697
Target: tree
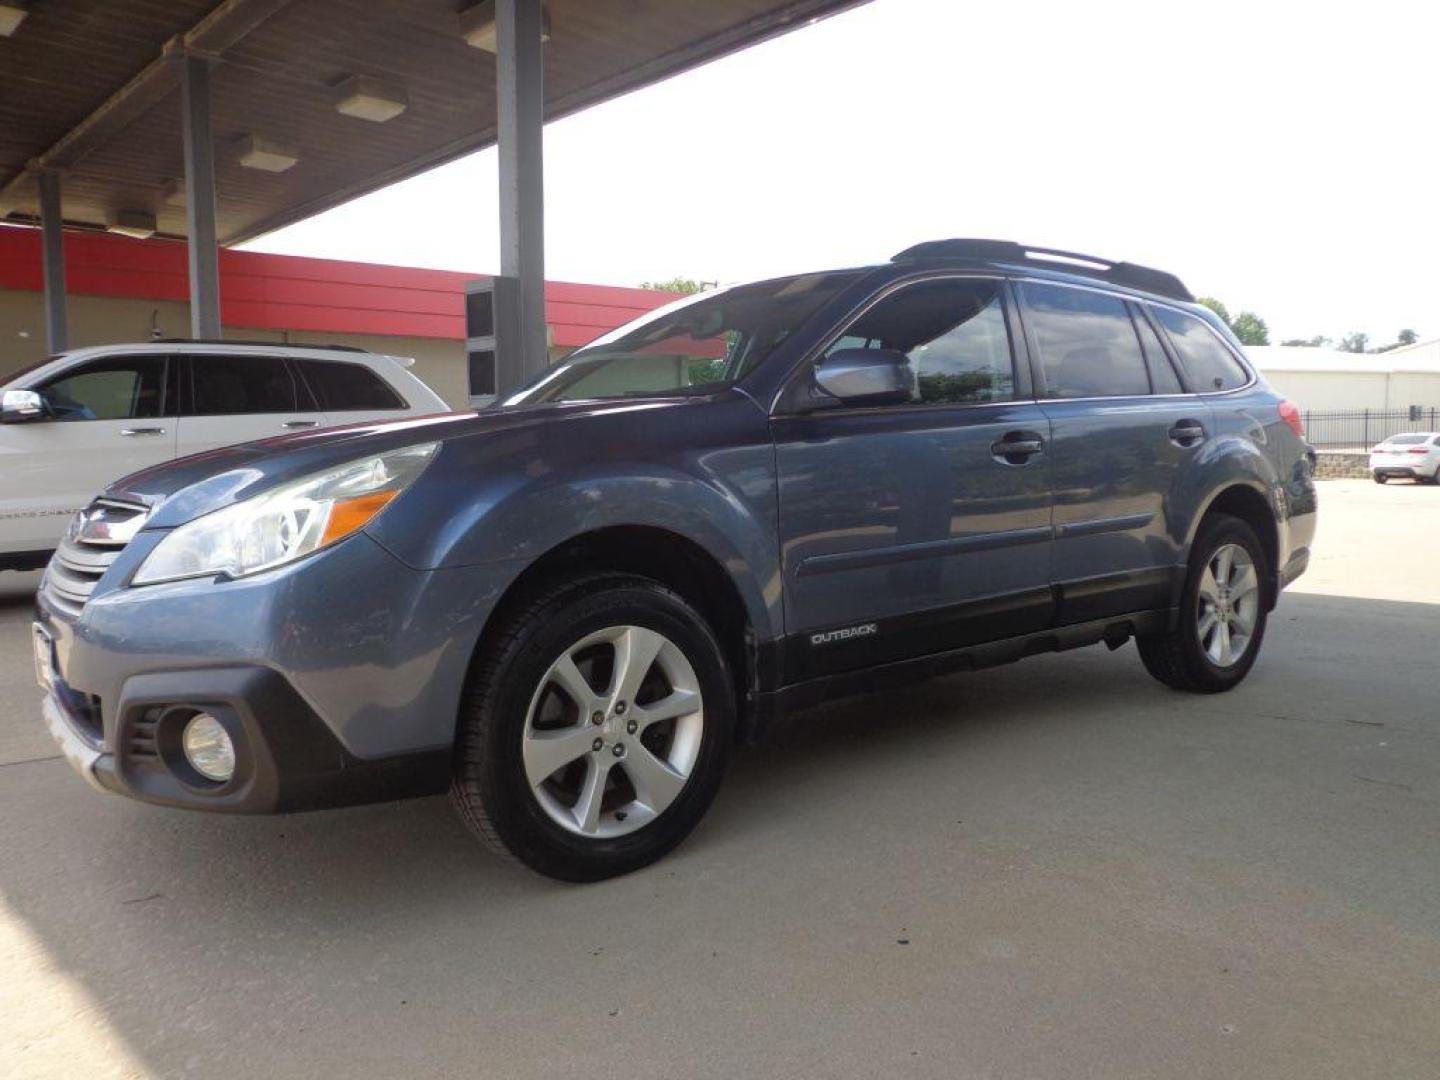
x=1217 y=307
x=1247 y=326
x=1251 y=329
x=1407 y=337
x=1354 y=343
x=1316 y=342
x=676 y=284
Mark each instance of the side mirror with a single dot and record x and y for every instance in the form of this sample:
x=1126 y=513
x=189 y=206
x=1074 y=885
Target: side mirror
x=22 y=406
x=866 y=377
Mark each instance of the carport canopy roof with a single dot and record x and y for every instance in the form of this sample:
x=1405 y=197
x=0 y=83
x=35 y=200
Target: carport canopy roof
x=92 y=88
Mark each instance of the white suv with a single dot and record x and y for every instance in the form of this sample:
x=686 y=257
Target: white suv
x=89 y=416
x=1413 y=454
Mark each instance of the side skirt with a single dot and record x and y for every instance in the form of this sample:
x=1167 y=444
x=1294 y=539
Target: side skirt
x=25 y=560
x=1114 y=631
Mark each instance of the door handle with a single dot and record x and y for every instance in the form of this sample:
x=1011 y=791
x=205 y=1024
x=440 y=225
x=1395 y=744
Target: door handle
x=133 y=431
x=1017 y=447
x=1187 y=433
x=300 y=423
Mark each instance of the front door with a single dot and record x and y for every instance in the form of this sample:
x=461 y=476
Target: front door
x=913 y=529
x=240 y=397
x=107 y=417
x=1123 y=430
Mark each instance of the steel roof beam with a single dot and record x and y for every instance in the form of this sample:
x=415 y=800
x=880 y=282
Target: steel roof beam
x=212 y=36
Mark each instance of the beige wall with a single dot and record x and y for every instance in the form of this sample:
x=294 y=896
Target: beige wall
x=100 y=320
x=1326 y=390
x=1415 y=388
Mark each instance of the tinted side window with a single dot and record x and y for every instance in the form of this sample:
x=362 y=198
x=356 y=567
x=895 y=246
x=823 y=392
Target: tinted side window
x=231 y=385
x=954 y=333
x=1087 y=343
x=1208 y=364
x=341 y=387
x=1162 y=372
x=115 y=388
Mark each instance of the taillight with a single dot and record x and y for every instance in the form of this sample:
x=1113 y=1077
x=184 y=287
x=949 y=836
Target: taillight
x=1417 y=450
x=1291 y=415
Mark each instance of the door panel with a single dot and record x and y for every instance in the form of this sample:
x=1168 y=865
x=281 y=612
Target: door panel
x=1119 y=449
x=912 y=529
x=109 y=420
x=239 y=398
x=906 y=519
x=1115 y=465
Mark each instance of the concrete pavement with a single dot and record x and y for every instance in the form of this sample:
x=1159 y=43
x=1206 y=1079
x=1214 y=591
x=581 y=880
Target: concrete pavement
x=1055 y=869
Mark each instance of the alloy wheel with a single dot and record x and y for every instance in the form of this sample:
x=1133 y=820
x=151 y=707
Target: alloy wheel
x=613 y=731
x=1227 y=605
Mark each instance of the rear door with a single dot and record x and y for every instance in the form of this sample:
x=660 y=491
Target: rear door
x=908 y=529
x=238 y=397
x=1123 y=430
x=109 y=416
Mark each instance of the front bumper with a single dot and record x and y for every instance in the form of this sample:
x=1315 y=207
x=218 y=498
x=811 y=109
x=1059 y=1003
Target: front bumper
x=287 y=759
x=338 y=679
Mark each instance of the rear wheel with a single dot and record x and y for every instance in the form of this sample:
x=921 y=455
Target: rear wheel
x=1222 y=612
x=1380 y=478
x=595 y=730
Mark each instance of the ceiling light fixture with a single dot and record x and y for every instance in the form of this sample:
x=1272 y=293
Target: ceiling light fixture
x=477 y=25
x=370 y=99
x=137 y=223
x=258 y=152
x=11 y=16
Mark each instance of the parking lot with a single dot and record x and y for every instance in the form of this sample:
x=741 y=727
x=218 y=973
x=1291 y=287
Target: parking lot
x=1052 y=869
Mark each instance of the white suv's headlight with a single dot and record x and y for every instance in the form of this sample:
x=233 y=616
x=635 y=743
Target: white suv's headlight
x=287 y=523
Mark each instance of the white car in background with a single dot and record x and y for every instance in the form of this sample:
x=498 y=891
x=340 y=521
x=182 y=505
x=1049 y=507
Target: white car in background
x=1415 y=454
x=71 y=425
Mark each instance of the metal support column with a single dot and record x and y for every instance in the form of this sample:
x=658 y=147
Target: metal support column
x=57 y=330
x=520 y=336
x=200 y=198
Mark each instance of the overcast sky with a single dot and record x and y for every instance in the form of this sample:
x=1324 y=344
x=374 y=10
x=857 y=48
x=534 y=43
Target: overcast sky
x=1281 y=156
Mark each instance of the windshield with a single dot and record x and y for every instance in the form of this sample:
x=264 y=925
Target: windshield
x=698 y=344
x=1406 y=440
x=19 y=373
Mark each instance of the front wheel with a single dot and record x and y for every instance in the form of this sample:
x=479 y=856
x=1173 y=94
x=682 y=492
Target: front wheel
x=1222 y=612
x=1380 y=478
x=595 y=729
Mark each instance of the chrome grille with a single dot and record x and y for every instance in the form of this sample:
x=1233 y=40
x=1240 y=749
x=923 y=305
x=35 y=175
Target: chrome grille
x=93 y=542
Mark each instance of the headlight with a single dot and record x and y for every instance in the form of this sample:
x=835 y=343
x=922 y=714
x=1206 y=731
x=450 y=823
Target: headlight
x=287 y=523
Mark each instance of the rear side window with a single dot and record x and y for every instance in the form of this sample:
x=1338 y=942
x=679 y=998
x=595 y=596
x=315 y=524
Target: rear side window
x=1087 y=343
x=341 y=387
x=1162 y=373
x=953 y=332
x=1208 y=364
x=233 y=385
x=115 y=388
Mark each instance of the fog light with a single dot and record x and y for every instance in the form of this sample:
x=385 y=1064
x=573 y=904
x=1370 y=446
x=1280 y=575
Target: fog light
x=208 y=748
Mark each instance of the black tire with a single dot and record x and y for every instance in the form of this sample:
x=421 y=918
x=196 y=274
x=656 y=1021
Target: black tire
x=1177 y=657
x=1380 y=478
x=489 y=788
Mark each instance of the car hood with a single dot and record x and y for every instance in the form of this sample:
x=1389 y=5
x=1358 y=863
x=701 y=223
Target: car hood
x=182 y=490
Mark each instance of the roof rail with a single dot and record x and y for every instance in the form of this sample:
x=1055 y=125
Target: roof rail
x=1130 y=275
x=247 y=344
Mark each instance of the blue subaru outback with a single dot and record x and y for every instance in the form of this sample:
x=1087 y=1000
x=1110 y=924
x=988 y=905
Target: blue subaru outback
x=567 y=608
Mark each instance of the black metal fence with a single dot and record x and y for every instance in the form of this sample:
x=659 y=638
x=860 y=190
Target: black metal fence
x=1360 y=429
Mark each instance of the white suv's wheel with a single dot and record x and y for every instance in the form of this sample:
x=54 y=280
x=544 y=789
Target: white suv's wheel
x=595 y=729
